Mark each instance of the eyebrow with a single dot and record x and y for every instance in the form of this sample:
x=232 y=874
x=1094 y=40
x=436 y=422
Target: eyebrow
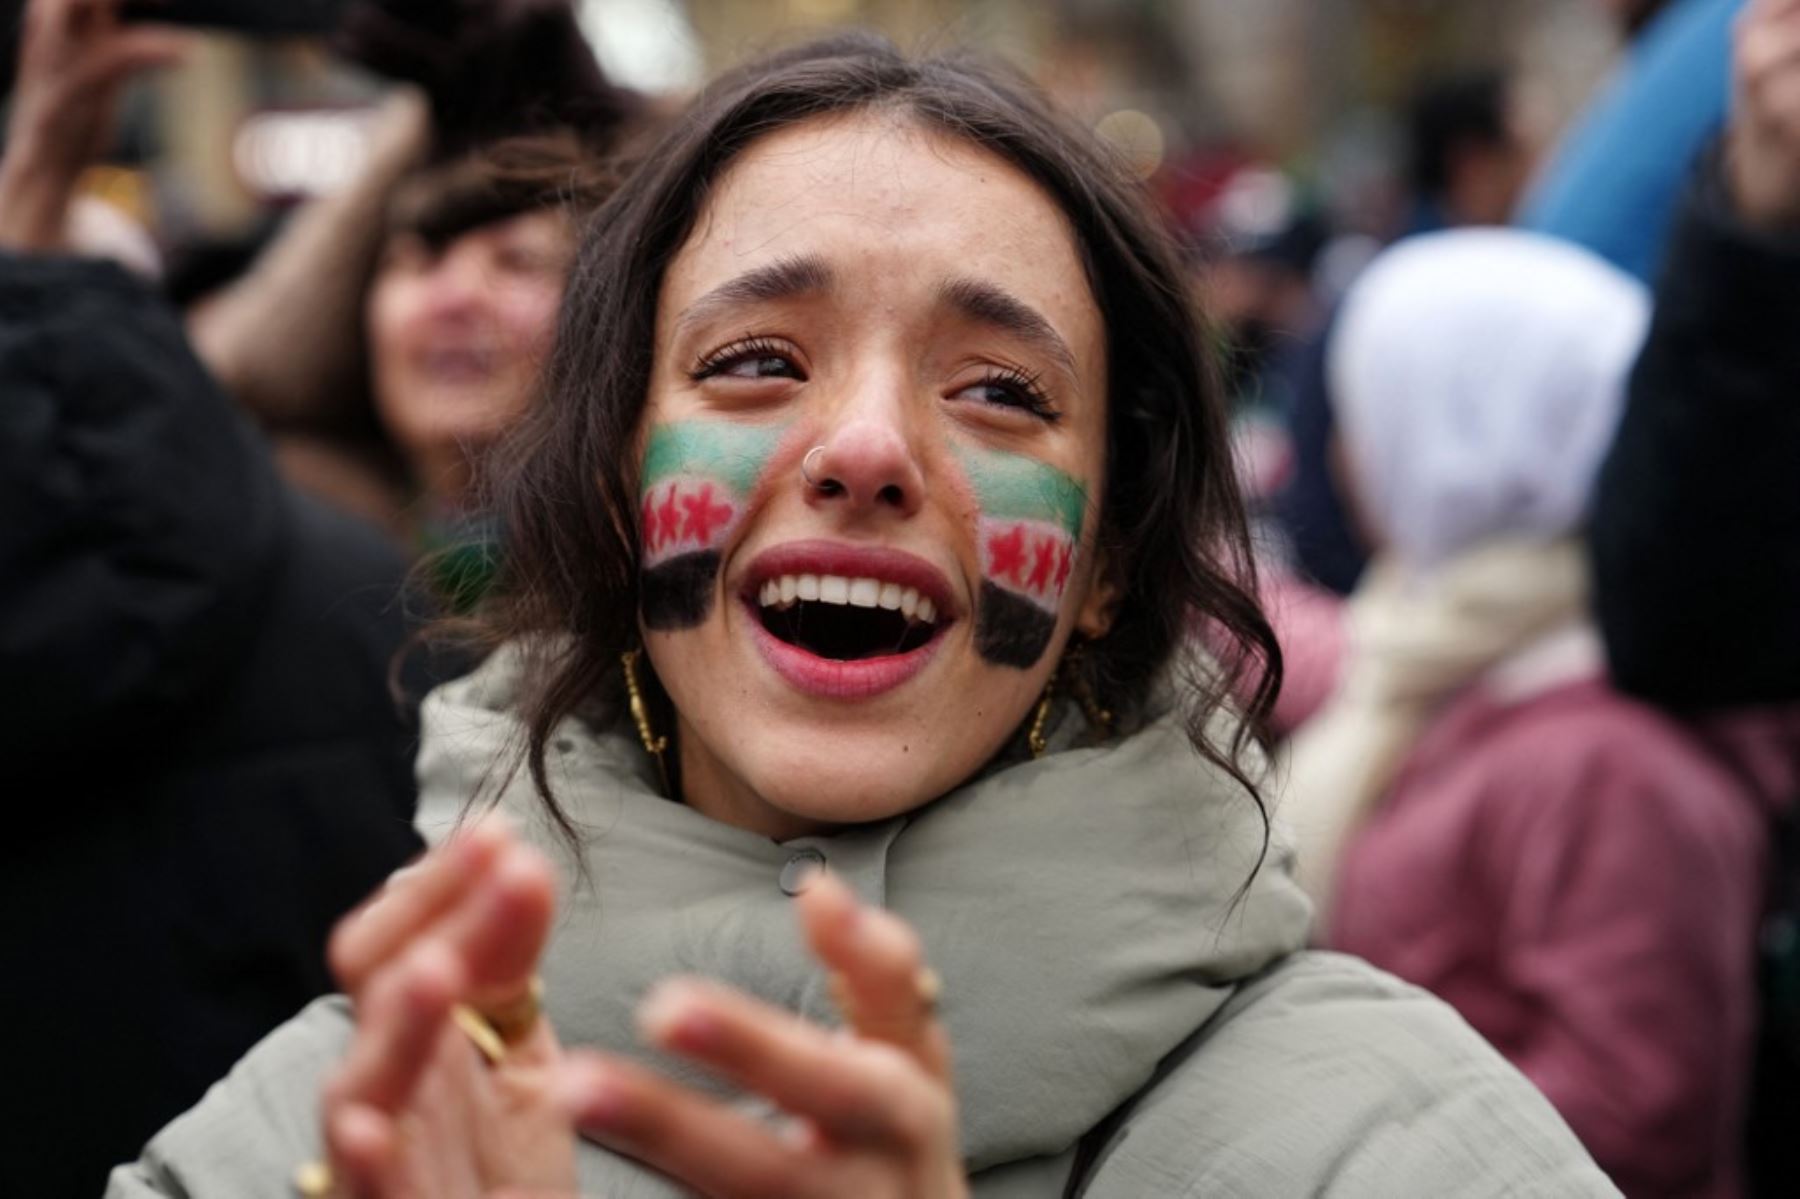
x=784 y=279
x=987 y=304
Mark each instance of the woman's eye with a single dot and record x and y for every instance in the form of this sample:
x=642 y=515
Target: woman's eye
x=747 y=361
x=761 y=366
x=1020 y=392
x=525 y=262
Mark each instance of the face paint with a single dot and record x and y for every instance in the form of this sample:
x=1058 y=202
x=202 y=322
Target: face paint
x=1030 y=524
x=697 y=478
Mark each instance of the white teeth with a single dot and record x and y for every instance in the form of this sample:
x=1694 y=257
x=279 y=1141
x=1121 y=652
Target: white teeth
x=785 y=591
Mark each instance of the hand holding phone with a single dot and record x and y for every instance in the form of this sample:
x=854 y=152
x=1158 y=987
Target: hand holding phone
x=74 y=58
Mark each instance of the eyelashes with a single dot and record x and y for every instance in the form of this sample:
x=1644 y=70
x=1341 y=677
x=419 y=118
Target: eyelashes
x=768 y=357
x=754 y=358
x=1019 y=389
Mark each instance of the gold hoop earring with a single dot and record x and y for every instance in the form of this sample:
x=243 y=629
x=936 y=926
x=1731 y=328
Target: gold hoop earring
x=654 y=745
x=1068 y=668
x=1083 y=688
x=1040 y=719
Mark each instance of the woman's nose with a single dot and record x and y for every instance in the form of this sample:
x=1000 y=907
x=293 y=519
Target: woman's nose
x=457 y=285
x=865 y=463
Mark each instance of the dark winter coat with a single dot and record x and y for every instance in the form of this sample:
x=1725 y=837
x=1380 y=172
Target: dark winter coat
x=1696 y=522
x=204 y=764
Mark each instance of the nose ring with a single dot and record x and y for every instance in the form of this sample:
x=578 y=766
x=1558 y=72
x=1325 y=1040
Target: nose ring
x=806 y=468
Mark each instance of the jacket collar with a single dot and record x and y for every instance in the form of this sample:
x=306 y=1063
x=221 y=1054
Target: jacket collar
x=1087 y=911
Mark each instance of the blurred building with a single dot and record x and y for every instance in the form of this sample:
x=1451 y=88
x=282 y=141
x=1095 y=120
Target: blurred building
x=1308 y=84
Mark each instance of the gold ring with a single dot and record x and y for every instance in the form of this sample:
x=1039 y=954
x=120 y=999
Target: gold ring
x=475 y=1027
x=314 y=1180
x=928 y=986
x=515 y=1019
x=493 y=1030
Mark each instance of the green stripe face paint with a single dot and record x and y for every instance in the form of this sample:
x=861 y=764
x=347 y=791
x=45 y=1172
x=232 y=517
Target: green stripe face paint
x=696 y=481
x=1030 y=525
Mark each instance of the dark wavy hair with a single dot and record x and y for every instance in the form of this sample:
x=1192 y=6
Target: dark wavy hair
x=1172 y=524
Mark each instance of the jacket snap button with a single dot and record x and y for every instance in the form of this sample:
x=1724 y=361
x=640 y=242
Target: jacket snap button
x=798 y=873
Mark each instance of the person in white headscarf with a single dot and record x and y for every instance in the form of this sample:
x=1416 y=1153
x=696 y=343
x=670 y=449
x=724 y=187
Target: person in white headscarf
x=1478 y=810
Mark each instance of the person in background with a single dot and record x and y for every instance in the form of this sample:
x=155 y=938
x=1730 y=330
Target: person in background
x=1478 y=810
x=394 y=329
x=883 y=475
x=1695 y=543
x=1466 y=160
x=205 y=766
x=1613 y=183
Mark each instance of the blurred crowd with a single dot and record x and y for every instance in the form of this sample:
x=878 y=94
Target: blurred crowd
x=1522 y=458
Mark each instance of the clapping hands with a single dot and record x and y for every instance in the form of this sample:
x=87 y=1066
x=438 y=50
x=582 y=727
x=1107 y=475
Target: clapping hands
x=416 y=1109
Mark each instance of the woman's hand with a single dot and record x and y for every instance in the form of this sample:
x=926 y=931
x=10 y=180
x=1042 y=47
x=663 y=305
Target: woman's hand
x=1763 y=156
x=415 y=1109
x=74 y=58
x=870 y=1109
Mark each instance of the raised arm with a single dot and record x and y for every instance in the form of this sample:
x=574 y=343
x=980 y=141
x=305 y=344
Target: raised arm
x=140 y=515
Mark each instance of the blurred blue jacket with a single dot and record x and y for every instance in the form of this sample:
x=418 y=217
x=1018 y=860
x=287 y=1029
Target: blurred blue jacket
x=1613 y=183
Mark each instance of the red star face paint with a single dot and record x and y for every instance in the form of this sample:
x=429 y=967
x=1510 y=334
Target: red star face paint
x=1029 y=528
x=697 y=478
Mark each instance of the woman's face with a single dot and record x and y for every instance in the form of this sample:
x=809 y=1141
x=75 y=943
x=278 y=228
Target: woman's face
x=457 y=335
x=905 y=318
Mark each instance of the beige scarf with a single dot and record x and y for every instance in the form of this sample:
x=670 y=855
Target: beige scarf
x=1414 y=641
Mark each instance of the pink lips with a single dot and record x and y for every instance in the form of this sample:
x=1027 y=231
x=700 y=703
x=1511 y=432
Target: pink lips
x=830 y=678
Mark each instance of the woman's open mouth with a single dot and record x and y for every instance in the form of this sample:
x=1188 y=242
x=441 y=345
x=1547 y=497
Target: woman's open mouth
x=846 y=621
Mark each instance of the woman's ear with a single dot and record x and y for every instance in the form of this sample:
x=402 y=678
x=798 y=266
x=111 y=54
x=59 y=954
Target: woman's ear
x=1100 y=606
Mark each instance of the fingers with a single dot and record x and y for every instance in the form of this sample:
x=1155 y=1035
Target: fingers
x=889 y=994
x=1762 y=10
x=413 y=900
x=400 y=1024
x=500 y=931
x=695 y=1140
x=856 y=1091
x=127 y=53
x=487 y=902
x=361 y=1144
x=399 y=1020
x=1767 y=47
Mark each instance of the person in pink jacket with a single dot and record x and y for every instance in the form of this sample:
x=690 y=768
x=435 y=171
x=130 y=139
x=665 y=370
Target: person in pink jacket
x=1479 y=811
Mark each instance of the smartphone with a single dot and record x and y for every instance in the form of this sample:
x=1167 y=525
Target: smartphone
x=263 y=17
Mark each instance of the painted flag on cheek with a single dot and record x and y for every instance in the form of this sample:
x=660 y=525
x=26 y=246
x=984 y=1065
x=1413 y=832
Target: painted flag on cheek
x=1030 y=525
x=696 y=480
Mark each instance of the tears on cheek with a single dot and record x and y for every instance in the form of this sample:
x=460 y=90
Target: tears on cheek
x=1028 y=532
x=697 y=480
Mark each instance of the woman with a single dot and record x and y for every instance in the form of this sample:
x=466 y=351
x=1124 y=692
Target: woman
x=926 y=479
x=397 y=325
x=1578 y=874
